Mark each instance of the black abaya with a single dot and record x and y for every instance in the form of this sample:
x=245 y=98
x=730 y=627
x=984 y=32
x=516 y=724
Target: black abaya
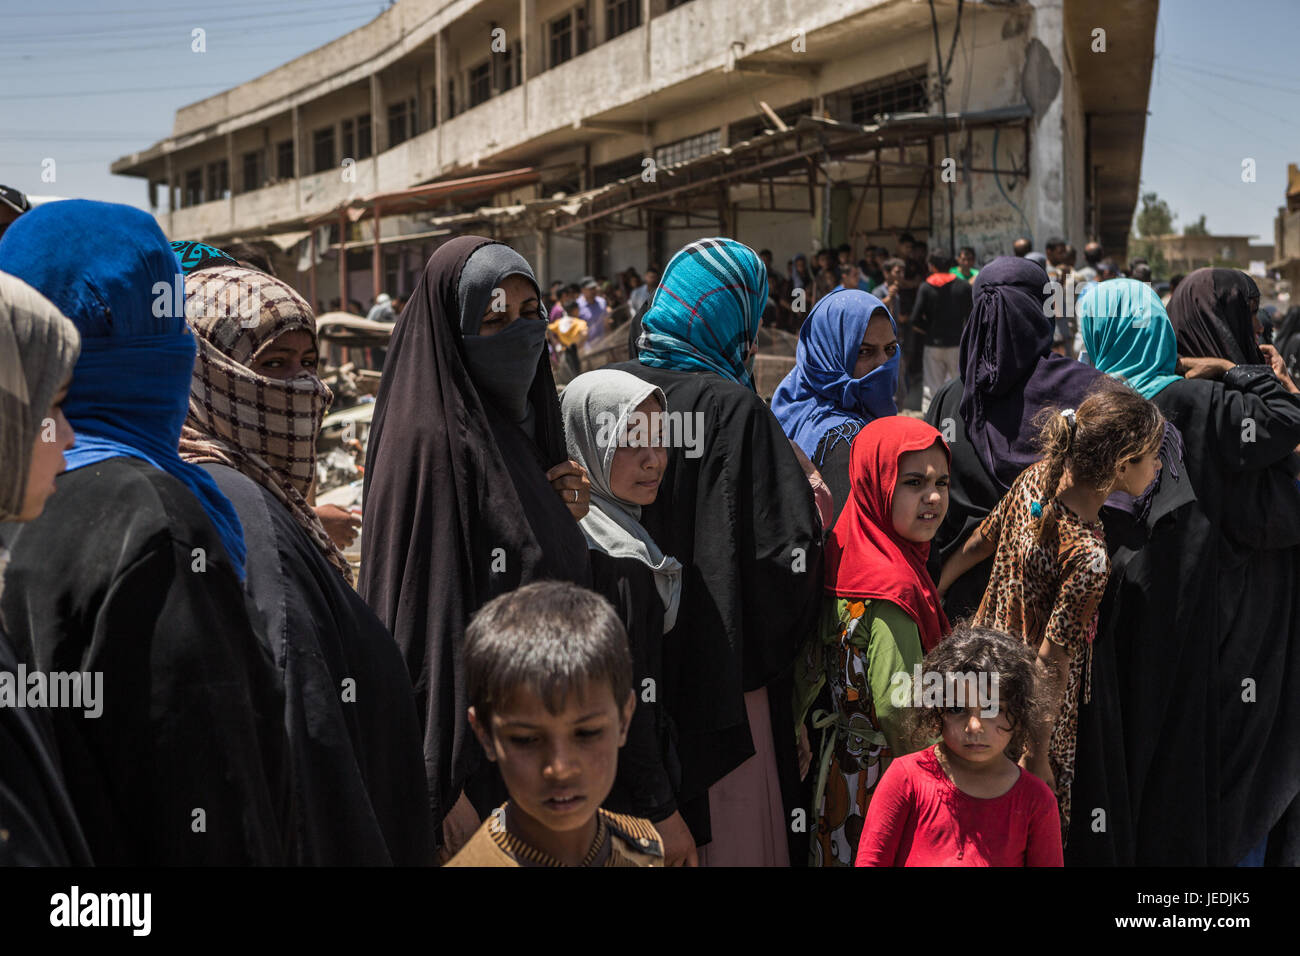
x=648 y=772
x=360 y=797
x=124 y=574
x=742 y=520
x=37 y=819
x=457 y=511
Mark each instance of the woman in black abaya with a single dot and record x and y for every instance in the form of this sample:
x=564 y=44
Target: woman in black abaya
x=468 y=491
x=1221 y=768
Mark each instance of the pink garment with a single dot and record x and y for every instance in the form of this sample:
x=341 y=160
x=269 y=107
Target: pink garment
x=746 y=813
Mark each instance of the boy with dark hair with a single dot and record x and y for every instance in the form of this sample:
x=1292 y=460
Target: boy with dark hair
x=550 y=692
x=965 y=267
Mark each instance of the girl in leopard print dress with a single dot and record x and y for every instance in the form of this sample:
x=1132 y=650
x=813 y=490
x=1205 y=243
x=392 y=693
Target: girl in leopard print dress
x=1050 y=562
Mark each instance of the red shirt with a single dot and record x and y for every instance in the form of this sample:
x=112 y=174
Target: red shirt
x=918 y=817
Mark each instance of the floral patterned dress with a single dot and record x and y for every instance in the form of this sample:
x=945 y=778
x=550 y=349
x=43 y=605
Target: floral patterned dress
x=859 y=647
x=1048 y=591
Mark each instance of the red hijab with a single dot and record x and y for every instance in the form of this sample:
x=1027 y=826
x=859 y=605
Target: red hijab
x=866 y=557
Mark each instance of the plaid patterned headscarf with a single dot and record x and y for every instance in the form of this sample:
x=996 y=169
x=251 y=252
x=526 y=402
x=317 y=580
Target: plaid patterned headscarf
x=706 y=310
x=263 y=427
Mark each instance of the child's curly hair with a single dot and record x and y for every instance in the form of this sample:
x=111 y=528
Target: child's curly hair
x=971 y=649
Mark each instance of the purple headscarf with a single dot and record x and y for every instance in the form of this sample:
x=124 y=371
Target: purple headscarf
x=1009 y=372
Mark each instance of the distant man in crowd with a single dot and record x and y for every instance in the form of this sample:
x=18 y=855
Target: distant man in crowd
x=568 y=293
x=851 y=278
x=382 y=310
x=1022 y=247
x=1055 y=252
x=645 y=292
x=943 y=304
x=965 y=267
x=592 y=309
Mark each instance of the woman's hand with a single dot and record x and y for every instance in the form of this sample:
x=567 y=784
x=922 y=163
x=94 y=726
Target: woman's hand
x=569 y=479
x=679 y=845
x=1278 y=364
x=341 y=525
x=1202 y=367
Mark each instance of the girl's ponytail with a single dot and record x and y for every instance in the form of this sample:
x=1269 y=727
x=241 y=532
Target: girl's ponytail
x=1056 y=437
x=1112 y=425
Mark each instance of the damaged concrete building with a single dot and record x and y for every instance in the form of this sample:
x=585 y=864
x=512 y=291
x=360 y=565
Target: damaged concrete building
x=602 y=134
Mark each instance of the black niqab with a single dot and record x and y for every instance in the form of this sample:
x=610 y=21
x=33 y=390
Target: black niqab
x=1210 y=312
x=457 y=509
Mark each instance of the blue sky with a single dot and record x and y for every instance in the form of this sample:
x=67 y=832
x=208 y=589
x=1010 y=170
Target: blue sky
x=86 y=81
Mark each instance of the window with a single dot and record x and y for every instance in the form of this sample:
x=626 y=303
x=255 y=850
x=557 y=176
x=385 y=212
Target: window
x=508 y=66
x=561 y=40
x=903 y=92
x=348 y=129
x=284 y=159
x=401 y=122
x=218 y=180
x=433 y=106
x=193 y=192
x=688 y=148
x=621 y=16
x=480 y=83
x=322 y=149
x=364 y=147
x=451 y=98
x=606 y=173
x=254 y=170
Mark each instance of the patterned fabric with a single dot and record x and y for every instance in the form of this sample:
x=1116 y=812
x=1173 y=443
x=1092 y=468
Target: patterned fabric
x=1126 y=333
x=858 y=648
x=130 y=388
x=621 y=840
x=1051 y=591
x=820 y=396
x=38 y=349
x=263 y=427
x=194 y=255
x=706 y=311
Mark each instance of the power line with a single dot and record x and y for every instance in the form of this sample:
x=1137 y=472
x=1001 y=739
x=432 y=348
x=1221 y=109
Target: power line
x=160 y=29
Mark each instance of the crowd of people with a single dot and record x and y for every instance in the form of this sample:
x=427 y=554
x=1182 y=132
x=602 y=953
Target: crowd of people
x=648 y=619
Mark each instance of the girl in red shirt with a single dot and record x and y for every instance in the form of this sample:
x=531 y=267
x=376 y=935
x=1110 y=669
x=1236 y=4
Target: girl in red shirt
x=963 y=802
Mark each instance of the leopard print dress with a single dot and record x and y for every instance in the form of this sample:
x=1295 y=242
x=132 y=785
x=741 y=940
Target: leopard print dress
x=1051 y=591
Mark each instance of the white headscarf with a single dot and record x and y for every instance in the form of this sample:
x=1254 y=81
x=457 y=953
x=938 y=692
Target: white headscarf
x=590 y=404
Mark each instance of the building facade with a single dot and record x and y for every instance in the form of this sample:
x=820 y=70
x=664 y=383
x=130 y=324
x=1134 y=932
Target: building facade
x=602 y=134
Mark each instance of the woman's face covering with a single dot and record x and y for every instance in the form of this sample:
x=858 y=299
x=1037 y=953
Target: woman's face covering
x=879 y=345
x=288 y=356
x=47 y=458
x=515 y=296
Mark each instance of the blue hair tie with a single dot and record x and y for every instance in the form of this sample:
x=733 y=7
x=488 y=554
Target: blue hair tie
x=1036 y=509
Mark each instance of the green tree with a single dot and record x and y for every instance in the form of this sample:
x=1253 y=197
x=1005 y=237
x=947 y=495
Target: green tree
x=1196 y=228
x=1154 y=218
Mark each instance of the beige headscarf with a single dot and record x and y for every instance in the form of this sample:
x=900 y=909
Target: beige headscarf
x=38 y=349
x=263 y=427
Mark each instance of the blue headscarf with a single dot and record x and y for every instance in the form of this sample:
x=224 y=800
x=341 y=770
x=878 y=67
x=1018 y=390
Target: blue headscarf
x=706 y=311
x=109 y=269
x=820 y=394
x=1128 y=334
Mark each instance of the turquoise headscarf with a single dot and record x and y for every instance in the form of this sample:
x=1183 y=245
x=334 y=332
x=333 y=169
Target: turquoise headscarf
x=1127 y=334
x=706 y=310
